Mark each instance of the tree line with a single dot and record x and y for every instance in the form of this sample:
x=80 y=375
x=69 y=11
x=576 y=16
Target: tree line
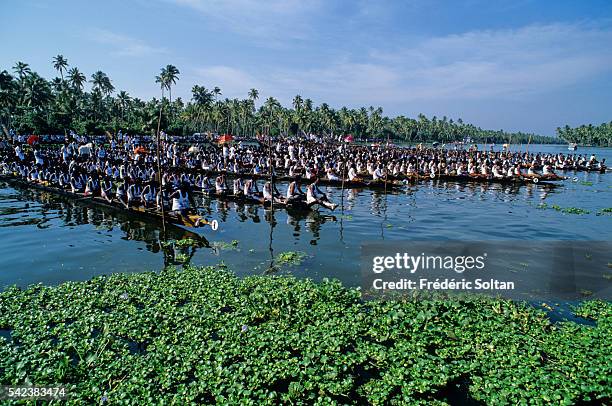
x=31 y=104
x=600 y=135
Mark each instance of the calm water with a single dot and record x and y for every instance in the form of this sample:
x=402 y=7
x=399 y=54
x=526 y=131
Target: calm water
x=49 y=239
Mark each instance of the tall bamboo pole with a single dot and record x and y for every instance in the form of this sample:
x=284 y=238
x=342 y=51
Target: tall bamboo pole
x=159 y=166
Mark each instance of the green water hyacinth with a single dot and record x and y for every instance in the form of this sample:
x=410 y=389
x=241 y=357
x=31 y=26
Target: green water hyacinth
x=293 y=258
x=203 y=336
x=566 y=210
x=222 y=245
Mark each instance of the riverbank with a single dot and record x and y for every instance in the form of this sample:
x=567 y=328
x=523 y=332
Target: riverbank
x=202 y=335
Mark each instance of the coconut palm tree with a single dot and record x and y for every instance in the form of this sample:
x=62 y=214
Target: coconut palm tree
x=201 y=95
x=253 y=94
x=8 y=95
x=123 y=99
x=170 y=74
x=60 y=64
x=76 y=79
x=217 y=92
x=22 y=70
x=297 y=102
x=102 y=83
x=37 y=91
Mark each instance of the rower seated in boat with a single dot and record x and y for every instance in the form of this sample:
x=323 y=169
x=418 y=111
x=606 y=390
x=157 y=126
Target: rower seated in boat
x=352 y=174
x=484 y=170
x=92 y=187
x=250 y=189
x=77 y=184
x=309 y=173
x=497 y=174
x=331 y=175
x=63 y=180
x=517 y=171
x=294 y=193
x=510 y=172
x=315 y=196
x=547 y=171
x=134 y=193
x=531 y=172
x=378 y=174
x=106 y=189
x=220 y=185
x=121 y=193
x=34 y=175
x=207 y=186
x=149 y=194
x=271 y=193
x=238 y=187
x=180 y=201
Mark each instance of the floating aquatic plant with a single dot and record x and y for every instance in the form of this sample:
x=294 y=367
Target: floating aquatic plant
x=567 y=210
x=222 y=245
x=183 y=243
x=204 y=336
x=187 y=242
x=182 y=258
x=290 y=258
x=575 y=210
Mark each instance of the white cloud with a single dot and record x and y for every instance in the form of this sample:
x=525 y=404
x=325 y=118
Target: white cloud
x=474 y=65
x=478 y=65
x=124 y=45
x=504 y=63
x=272 y=20
x=233 y=82
x=487 y=66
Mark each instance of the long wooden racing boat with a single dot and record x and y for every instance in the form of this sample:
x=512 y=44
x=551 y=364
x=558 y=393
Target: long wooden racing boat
x=395 y=183
x=525 y=180
x=296 y=205
x=347 y=184
x=139 y=212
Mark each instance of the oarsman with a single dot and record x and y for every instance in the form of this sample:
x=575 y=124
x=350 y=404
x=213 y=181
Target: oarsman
x=315 y=196
x=238 y=186
x=352 y=173
x=106 y=189
x=220 y=185
x=331 y=175
x=294 y=193
x=149 y=194
x=271 y=194
x=181 y=203
x=250 y=189
x=378 y=173
x=76 y=183
x=121 y=192
x=134 y=193
x=92 y=187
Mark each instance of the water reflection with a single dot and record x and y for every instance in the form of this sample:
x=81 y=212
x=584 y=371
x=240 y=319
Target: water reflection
x=432 y=210
x=40 y=208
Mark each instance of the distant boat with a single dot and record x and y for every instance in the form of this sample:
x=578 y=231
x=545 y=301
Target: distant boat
x=572 y=146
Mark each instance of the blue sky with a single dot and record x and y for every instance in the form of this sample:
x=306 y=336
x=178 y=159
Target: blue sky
x=517 y=65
